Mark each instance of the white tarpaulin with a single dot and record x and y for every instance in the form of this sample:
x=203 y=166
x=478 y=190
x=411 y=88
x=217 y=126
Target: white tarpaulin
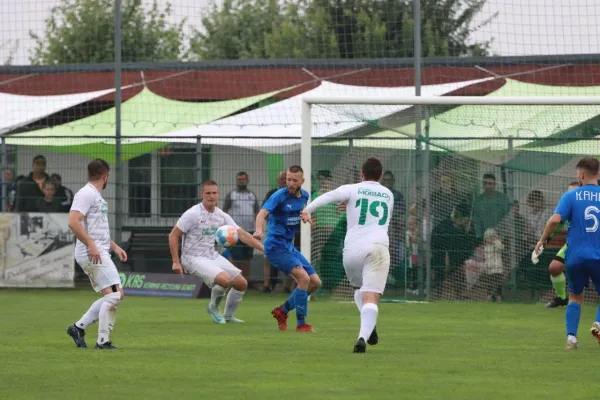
x=283 y=119
x=18 y=110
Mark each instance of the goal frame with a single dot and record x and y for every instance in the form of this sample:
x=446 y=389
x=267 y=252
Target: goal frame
x=311 y=100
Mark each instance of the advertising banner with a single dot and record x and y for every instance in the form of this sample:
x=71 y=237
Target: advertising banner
x=163 y=285
x=36 y=250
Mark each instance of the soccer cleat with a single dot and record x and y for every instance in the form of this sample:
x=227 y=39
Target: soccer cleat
x=77 y=334
x=557 y=302
x=595 y=331
x=215 y=314
x=360 y=346
x=233 y=320
x=374 y=338
x=105 y=346
x=281 y=318
x=571 y=345
x=305 y=328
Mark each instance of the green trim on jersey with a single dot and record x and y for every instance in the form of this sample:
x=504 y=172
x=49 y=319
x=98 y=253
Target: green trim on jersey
x=561 y=253
x=563 y=227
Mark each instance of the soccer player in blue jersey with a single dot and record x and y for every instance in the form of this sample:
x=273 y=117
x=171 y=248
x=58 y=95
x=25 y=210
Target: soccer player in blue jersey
x=283 y=209
x=581 y=208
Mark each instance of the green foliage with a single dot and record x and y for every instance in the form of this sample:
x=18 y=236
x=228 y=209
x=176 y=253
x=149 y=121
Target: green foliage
x=82 y=31
x=243 y=29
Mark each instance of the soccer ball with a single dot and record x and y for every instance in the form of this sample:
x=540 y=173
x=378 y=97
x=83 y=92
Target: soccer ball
x=227 y=236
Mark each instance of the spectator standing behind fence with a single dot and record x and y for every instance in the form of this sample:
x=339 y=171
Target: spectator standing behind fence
x=444 y=200
x=242 y=205
x=490 y=207
x=11 y=190
x=29 y=190
x=396 y=229
x=63 y=194
x=536 y=213
x=271 y=272
x=49 y=203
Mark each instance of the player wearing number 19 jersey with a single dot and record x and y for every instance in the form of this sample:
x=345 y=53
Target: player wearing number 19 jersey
x=366 y=247
x=581 y=208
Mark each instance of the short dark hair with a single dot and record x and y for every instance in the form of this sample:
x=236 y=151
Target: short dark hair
x=295 y=169
x=590 y=165
x=388 y=172
x=574 y=183
x=97 y=168
x=39 y=157
x=489 y=176
x=48 y=182
x=208 y=182
x=56 y=176
x=372 y=169
x=242 y=173
x=462 y=210
x=324 y=173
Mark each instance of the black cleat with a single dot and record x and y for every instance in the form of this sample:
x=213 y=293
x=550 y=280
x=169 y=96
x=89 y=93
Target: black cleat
x=105 y=346
x=374 y=338
x=78 y=335
x=360 y=346
x=557 y=302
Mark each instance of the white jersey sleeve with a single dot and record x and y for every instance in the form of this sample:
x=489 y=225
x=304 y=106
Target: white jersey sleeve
x=188 y=219
x=338 y=195
x=82 y=201
x=369 y=212
x=228 y=220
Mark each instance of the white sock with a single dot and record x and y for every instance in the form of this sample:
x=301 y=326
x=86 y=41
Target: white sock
x=91 y=315
x=572 y=339
x=108 y=314
x=368 y=320
x=234 y=298
x=358 y=299
x=216 y=295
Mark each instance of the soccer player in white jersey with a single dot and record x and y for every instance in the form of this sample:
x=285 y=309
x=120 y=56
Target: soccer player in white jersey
x=366 y=247
x=88 y=220
x=198 y=227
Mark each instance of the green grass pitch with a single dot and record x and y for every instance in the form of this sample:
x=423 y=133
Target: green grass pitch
x=170 y=349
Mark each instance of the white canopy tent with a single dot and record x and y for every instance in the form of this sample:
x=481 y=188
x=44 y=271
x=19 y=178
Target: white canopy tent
x=274 y=128
x=19 y=110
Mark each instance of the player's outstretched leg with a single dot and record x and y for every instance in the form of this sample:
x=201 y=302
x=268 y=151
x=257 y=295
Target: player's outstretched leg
x=298 y=300
x=77 y=330
x=107 y=317
x=572 y=316
x=239 y=285
x=559 y=282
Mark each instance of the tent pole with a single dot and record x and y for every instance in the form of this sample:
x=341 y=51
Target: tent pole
x=4 y=168
x=118 y=100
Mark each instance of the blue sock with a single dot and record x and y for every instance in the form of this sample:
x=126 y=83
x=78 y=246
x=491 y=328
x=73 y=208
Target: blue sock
x=301 y=305
x=572 y=316
x=598 y=314
x=290 y=303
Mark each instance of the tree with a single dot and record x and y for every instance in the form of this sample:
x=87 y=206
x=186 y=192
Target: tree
x=11 y=47
x=82 y=31
x=240 y=29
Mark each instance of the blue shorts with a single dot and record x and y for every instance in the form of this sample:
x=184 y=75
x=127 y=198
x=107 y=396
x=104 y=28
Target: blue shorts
x=287 y=259
x=579 y=275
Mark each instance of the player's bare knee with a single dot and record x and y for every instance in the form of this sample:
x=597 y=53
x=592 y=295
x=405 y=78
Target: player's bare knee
x=315 y=282
x=302 y=278
x=370 y=297
x=556 y=268
x=239 y=283
x=223 y=279
x=576 y=298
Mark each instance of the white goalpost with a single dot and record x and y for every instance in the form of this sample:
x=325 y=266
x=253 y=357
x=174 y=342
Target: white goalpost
x=309 y=102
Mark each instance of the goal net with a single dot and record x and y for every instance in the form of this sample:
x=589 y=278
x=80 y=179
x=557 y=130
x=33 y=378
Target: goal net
x=474 y=181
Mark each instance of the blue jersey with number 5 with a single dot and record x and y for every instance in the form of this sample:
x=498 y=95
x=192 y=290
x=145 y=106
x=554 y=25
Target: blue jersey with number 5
x=284 y=218
x=581 y=207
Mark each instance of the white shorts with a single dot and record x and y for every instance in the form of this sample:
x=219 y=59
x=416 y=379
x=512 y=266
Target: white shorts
x=101 y=275
x=368 y=267
x=207 y=269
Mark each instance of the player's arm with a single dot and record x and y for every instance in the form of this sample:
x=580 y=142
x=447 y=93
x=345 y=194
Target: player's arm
x=562 y=213
x=81 y=206
x=248 y=239
x=339 y=195
x=118 y=250
x=182 y=226
x=266 y=209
